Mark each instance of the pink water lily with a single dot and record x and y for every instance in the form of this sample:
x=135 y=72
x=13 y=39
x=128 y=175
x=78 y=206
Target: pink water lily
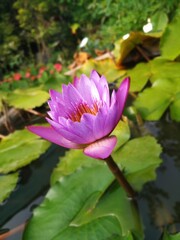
x=84 y=115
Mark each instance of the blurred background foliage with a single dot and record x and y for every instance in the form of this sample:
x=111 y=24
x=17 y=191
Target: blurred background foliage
x=39 y=31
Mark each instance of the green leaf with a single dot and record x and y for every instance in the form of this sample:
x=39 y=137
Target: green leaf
x=80 y=207
x=175 y=108
x=122 y=132
x=154 y=101
x=139 y=158
x=84 y=197
x=73 y=160
x=7 y=185
x=139 y=75
x=167 y=236
x=19 y=149
x=55 y=81
x=27 y=98
x=162 y=68
x=170 y=44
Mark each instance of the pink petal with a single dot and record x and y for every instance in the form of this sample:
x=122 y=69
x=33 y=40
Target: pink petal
x=87 y=89
x=51 y=135
x=101 y=85
x=55 y=96
x=101 y=149
x=122 y=94
x=71 y=97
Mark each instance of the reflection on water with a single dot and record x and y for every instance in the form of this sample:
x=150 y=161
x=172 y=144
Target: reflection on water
x=159 y=201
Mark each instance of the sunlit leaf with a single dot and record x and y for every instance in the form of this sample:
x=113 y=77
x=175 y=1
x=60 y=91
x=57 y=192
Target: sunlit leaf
x=139 y=158
x=7 y=185
x=122 y=132
x=163 y=68
x=139 y=76
x=80 y=207
x=27 y=98
x=154 y=101
x=170 y=44
x=175 y=108
x=105 y=67
x=19 y=149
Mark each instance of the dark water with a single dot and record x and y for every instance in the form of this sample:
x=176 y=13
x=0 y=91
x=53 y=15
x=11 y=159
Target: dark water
x=159 y=202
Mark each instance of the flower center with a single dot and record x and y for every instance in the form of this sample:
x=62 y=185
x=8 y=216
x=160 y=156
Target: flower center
x=81 y=109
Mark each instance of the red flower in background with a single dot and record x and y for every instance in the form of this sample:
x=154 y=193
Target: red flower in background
x=17 y=76
x=58 y=67
x=27 y=74
x=42 y=69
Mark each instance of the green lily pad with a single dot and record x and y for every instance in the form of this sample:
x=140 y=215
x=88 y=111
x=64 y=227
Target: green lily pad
x=175 y=108
x=167 y=236
x=139 y=76
x=19 y=149
x=154 y=101
x=170 y=44
x=163 y=68
x=80 y=206
x=7 y=185
x=83 y=196
x=27 y=98
x=139 y=158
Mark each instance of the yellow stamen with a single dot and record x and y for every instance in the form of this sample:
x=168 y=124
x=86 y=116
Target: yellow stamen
x=81 y=109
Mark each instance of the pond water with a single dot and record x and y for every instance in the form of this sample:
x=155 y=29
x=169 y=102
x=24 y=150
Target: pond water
x=159 y=202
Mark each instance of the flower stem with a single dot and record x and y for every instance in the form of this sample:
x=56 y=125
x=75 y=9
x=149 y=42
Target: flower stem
x=120 y=177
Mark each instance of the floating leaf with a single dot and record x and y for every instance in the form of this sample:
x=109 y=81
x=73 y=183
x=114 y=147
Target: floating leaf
x=139 y=75
x=167 y=236
x=175 y=108
x=7 y=185
x=27 y=98
x=154 y=101
x=122 y=132
x=139 y=158
x=19 y=149
x=170 y=44
x=79 y=207
x=73 y=160
x=85 y=199
x=163 y=68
